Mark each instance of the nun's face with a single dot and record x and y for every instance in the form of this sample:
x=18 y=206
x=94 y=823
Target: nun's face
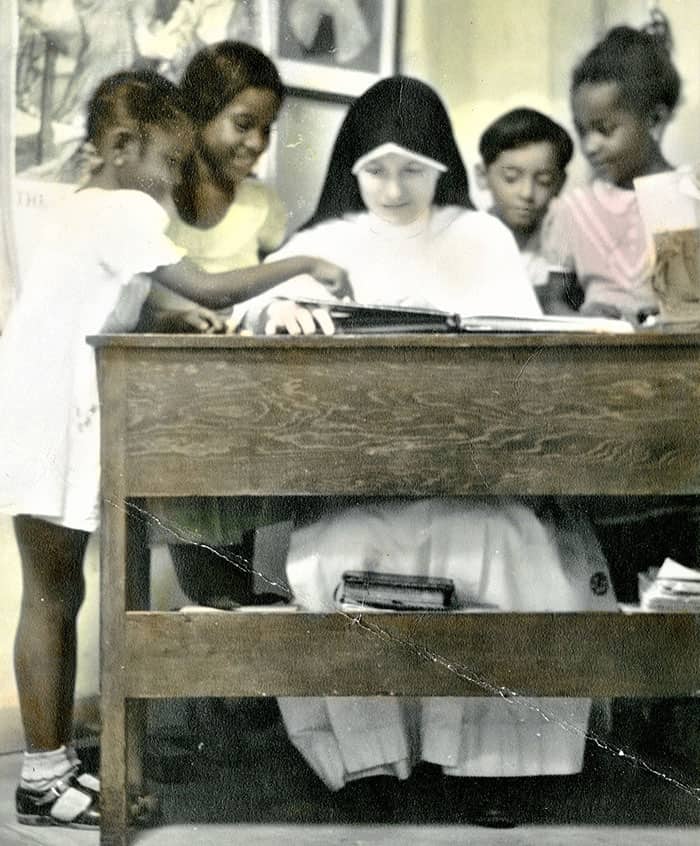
x=397 y=188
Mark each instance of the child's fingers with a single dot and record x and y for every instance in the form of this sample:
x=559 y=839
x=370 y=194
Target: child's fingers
x=334 y=277
x=324 y=320
x=297 y=322
x=293 y=319
x=205 y=321
x=215 y=324
x=280 y=316
x=305 y=321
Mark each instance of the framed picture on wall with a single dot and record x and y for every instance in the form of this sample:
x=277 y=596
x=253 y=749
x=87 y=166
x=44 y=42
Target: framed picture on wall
x=335 y=48
x=65 y=48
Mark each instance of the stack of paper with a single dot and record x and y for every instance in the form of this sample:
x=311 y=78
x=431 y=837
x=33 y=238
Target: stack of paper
x=674 y=588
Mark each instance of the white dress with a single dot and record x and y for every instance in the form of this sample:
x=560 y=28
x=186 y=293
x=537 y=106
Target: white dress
x=497 y=551
x=80 y=282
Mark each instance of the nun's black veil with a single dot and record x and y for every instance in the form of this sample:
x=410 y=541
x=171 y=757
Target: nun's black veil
x=409 y=113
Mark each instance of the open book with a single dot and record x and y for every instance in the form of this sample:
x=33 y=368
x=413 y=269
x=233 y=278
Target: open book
x=352 y=318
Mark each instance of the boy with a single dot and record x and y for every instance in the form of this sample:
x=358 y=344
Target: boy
x=524 y=155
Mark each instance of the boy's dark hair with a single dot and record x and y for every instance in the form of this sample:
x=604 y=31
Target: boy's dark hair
x=639 y=61
x=219 y=72
x=137 y=100
x=525 y=126
x=399 y=109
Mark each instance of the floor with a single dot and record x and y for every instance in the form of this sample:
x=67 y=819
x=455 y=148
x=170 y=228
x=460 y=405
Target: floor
x=213 y=792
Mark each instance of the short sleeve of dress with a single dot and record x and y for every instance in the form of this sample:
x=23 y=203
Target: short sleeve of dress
x=274 y=229
x=134 y=240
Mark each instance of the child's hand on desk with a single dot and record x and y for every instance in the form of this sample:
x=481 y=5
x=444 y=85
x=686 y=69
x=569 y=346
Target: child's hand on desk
x=335 y=278
x=177 y=321
x=287 y=316
x=202 y=320
x=601 y=310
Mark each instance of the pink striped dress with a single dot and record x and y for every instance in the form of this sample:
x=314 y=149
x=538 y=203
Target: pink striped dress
x=597 y=231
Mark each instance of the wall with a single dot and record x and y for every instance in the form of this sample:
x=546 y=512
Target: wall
x=479 y=55
x=8 y=26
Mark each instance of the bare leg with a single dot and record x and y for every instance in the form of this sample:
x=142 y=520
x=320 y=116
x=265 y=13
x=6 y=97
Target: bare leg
x=210 y=578
x=45 y=643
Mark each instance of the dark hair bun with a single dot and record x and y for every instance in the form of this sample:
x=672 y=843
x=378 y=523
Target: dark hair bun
x=660 y=29
x=639 y=62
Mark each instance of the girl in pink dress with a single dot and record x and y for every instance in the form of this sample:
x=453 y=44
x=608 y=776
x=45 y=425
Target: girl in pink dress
x=623 y=93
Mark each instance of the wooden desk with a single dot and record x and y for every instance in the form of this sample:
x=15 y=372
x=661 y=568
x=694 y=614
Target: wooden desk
x=186 y=415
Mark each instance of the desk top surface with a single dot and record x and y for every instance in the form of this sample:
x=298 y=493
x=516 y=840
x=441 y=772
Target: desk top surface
x=416 y=340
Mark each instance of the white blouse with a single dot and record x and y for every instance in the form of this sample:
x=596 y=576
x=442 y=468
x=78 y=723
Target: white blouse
x=452 y=259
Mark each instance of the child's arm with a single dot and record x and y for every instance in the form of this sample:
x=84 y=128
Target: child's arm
x=561 y=294
x=221 y=290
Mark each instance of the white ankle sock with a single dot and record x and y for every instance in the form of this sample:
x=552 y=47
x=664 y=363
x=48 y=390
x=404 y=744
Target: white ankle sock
x=40 y=770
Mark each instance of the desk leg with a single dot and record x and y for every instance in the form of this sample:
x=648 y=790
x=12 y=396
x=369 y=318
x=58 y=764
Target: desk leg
x=123 y=721
x=112 y=679
x=138 y=582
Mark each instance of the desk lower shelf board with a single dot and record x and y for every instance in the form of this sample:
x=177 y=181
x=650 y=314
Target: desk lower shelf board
x=298 y=654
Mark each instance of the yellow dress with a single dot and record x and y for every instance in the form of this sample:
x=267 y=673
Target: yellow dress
x=255 y=224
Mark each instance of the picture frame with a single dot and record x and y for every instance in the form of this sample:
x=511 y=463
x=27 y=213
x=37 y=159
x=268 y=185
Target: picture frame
x=335 y=50
x=65 y=49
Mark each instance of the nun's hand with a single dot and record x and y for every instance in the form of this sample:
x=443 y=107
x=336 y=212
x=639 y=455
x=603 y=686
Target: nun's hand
x=286 y=316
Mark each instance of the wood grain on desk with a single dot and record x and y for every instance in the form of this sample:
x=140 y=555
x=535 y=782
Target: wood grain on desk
x=480 y=414
x=344 y=654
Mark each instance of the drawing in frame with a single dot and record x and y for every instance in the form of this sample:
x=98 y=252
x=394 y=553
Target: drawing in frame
x=335 y=48
x=66 y=48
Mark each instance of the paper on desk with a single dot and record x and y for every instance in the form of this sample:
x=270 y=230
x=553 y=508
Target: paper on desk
x=546 y=323
x=355 y=318
x=679 y=578
x=674 y=588
x=669 y=204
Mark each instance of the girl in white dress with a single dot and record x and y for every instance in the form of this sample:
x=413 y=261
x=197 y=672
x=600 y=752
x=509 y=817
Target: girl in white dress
x=395 y=211
x=82 y=281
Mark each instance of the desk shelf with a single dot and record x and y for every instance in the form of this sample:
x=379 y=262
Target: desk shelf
x=410 y=654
